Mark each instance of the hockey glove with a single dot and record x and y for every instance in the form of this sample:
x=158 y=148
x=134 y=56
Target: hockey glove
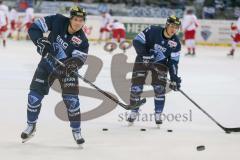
x=43 y=46
x=175 y=83
x=71 y=68
x=68 y=70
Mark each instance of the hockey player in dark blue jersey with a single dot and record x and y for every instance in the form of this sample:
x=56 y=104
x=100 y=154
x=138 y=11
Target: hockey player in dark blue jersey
x=158 y=51
x=66 y=42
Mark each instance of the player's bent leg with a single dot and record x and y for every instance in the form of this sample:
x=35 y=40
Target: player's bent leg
x=38 y=88
x=135 y=96
x=33 y=110
x=138 y=79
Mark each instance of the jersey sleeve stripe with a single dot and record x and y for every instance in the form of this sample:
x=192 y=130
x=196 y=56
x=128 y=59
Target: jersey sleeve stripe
x=81 y=55
x=141 y=37
x=41 y=23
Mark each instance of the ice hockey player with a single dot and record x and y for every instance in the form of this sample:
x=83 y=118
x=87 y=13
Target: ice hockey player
x=13 y=17
x=29 y=19
x=235 y=29
x=189 y=26
x=118 y=31
x=158 y=51
x=68 y=43
x=104 y=29
x=3 y=22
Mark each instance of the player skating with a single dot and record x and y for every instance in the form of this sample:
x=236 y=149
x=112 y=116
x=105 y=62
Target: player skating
x=13 y=18
x=68 y=43
x=3 y=23
x=189 y=26
x=158 y=49
x=235 y=36
x=104 y=29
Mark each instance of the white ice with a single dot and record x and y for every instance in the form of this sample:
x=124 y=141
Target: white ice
x=211 y=78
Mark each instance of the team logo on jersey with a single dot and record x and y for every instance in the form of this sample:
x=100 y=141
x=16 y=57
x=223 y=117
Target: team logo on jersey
x=62 y=42
x=172 y=44
x=76 y=40
x=60 y=53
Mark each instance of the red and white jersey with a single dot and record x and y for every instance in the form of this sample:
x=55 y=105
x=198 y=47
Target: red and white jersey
x=13 y=15
x=4 y=8
x=3 y=18
x=106 y=20
x=190 y=22
x=117 y=25
x=29 y=15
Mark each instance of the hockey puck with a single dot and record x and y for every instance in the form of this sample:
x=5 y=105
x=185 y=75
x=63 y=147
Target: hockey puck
x=142 y=129
x=105 y=129
x=169 y=130
x=200 y=148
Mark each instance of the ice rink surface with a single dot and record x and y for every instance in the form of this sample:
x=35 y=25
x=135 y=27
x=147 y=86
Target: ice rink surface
x=211 y=78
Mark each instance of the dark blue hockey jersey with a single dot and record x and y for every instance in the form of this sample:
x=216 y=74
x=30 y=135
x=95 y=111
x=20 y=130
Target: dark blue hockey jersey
x=64 y=45
x=151 y=42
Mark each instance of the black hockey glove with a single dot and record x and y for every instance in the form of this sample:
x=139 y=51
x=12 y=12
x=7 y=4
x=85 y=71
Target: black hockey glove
x=175 y=83
x=68 y=70
x=43 y=46
x=71 y=68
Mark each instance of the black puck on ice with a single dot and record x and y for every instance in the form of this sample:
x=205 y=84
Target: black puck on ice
x=169 y=130
x=105 y=129
x=142 y=129
x=200 y=148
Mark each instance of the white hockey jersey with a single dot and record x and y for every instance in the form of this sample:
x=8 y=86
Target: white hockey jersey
x=190 y=22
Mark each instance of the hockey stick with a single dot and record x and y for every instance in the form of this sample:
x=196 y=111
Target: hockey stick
x=125 y=106
x=227 y=130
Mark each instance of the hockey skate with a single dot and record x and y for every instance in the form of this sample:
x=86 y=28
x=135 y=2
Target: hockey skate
x=188 y=54
x=231 y=53
x=28 y=133
x=132 y=117
x=158 y=119
x=78 y=137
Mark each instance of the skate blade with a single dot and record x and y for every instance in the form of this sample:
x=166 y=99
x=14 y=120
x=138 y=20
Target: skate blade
x=130 y=124
x=27 y=139
x=158 y=126
x=80 y=146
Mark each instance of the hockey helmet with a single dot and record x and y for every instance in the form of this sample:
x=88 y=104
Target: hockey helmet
x=78 y=11
x=173 y=20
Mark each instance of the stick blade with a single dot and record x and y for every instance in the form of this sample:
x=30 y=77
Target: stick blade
x=232 y=129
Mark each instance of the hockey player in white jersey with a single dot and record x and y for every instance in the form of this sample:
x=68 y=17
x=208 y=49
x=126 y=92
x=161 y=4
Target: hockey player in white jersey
x=13 y=18
x=3 y=26
x=235 y=28
x=104 y=29
x=29 y=18
x=189 y=26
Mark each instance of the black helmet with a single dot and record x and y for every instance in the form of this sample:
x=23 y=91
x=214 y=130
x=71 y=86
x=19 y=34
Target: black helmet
x=77 y=11
x=173 y=20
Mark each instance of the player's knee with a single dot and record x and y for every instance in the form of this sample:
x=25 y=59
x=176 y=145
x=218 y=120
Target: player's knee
x=159 y=91
x=34 y=99
x=136 y=91
x=72 y=104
